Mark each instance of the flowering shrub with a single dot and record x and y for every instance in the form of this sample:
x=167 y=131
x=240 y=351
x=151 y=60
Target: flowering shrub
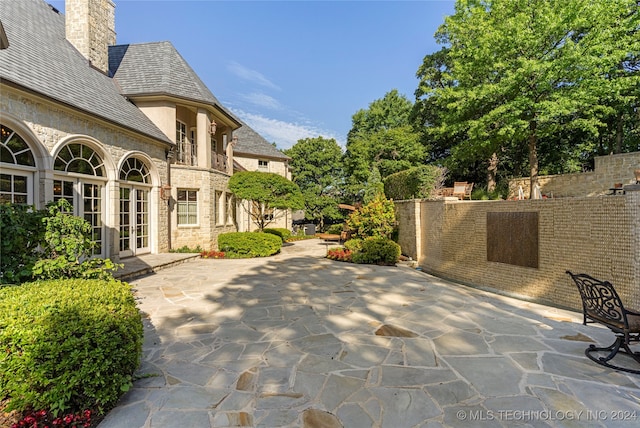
x=340 y=254
x=212 y=254
x=42 y=419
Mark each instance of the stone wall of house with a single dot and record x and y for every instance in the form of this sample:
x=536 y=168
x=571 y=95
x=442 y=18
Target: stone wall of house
x=214 y=200
x=608 y=170
x=598 y=235
x=50 y=124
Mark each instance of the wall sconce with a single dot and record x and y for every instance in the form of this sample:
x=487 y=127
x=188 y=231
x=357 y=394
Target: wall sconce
x=213 y=126
x=165 y=192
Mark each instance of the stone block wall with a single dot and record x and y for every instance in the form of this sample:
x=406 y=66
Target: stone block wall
x=599 y=236
x=207 y=182
x=608 y=170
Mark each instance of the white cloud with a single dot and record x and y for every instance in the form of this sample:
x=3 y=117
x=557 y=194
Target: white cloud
x=251 y=75
x=284 y=134
x=262 y=100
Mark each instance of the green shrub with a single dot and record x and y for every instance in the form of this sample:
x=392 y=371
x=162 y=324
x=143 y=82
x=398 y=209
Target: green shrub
x=377 y=218
x=248 y=244
x=335 y=229
x=354 y=244
x=22 y=230
x=417 y=182
x=67 y=246
x=377 y=250
x=283 y=233
x=187 y=249
x=68 y=345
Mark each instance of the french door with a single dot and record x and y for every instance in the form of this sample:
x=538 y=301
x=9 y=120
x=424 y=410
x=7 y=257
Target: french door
x=134 y=221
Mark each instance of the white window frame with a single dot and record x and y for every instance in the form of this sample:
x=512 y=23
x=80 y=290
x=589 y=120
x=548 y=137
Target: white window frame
x=263 y=165
x=181 y=142
x=188 y=204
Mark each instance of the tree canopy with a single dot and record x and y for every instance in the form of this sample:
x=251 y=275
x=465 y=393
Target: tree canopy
x=517 y=77
x=316 y=167
x=267 y=192
x=382 y=136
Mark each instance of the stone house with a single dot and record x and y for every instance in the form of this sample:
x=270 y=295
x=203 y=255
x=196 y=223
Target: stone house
x=128 y=133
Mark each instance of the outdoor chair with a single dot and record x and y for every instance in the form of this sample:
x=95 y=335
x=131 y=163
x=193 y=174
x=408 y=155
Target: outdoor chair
x=601 y=304
x=459 y=189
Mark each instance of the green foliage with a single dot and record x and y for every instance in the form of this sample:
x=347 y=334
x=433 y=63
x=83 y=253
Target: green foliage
x=377 y=218
x=283 y=233
x=335 y=229
x=531 y=86
x=21 y=230
x=377 y=250
x=374 y=186
x=249 y=244
x=414 y=183
x=354 y=244
x=186 y=249
x=68 y=345
x=316 y=167
x=67 y=247
x=267 y=191
x=382 y=136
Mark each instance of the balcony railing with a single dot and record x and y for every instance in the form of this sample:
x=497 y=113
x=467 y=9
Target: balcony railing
x=219 y=162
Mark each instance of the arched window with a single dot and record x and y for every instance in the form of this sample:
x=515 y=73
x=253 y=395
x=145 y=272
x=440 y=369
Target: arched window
x=13 y=149
x=79 y=158
x=17 y=157
x=86 y=194
x=134 y=169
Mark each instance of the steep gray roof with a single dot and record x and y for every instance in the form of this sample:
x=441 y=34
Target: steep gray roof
x=252 y=143
x=40 y=58
x=158 y=68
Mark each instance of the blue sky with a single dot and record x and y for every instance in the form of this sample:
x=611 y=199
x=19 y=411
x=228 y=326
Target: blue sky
x=292 y=69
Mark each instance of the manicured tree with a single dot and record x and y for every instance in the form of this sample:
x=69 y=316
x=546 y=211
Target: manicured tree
x=266 y=193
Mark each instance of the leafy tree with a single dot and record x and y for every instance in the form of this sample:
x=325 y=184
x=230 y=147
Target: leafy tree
x=374 y=186
x=516 y=74
x=382 y=136
x=22 y=230
x=266 y=193
x=316 y=167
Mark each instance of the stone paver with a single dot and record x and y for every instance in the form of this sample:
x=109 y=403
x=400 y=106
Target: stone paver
x=297 y=340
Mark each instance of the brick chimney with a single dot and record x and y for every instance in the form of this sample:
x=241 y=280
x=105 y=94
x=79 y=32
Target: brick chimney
x=90 y=27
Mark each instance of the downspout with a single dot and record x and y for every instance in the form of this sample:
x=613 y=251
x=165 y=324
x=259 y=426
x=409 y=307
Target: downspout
x=170 y=157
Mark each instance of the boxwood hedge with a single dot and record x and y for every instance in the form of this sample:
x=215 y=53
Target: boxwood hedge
x=249 y=244
x=283 y=233
x=68 y=345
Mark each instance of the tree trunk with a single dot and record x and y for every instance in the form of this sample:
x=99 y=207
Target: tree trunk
x=533 y=158
x=619 y=135
x=492 y=172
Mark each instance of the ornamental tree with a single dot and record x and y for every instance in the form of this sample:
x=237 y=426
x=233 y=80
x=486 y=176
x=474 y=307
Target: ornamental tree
x=267 y=194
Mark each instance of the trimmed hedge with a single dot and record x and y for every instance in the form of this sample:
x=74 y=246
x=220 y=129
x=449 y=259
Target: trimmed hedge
x=248 y=244
x=283 y=233
x=68 y=345
x=377 y=250
x=414 y=183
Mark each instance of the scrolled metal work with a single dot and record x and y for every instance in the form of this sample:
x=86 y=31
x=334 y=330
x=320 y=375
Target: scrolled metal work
x=601 y=304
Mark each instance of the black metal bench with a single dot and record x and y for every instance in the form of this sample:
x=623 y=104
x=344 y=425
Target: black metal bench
x=601 y=304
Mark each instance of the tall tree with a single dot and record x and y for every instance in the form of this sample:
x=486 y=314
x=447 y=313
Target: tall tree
x=523 y=71
x=316 y=167
x=382 y=136
x=266 y=192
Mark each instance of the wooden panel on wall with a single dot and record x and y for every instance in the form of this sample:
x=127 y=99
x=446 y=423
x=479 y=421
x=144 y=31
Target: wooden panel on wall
x=512 y=238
